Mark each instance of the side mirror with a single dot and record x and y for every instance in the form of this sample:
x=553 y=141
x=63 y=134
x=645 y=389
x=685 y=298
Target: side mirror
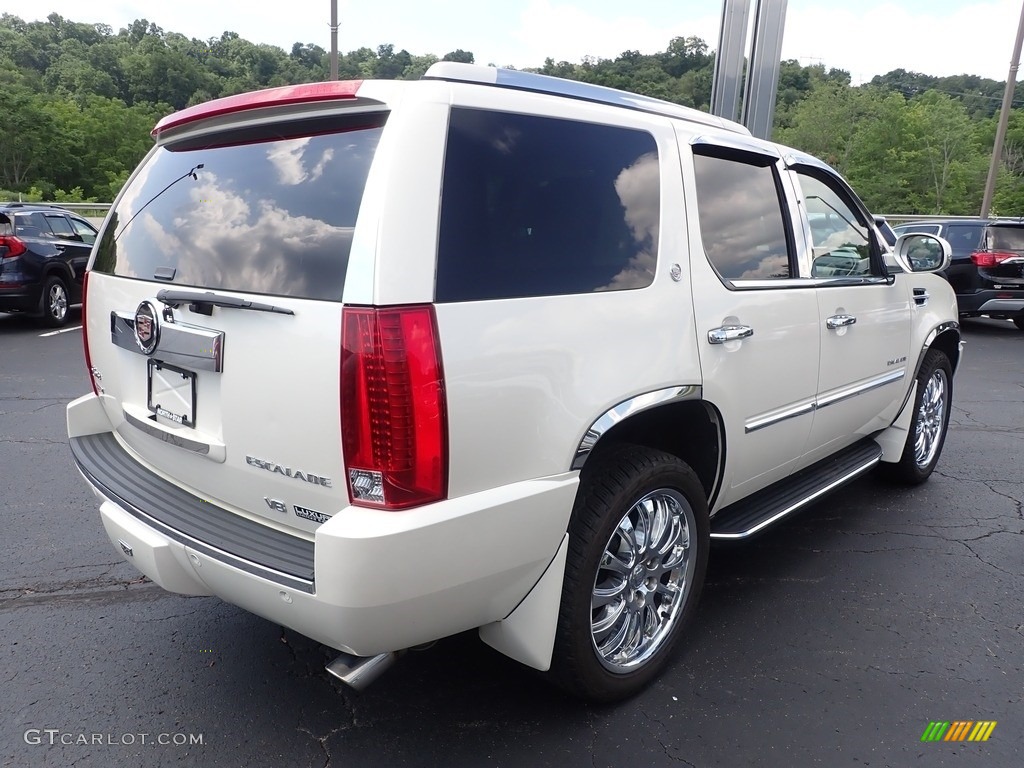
x=918 y=252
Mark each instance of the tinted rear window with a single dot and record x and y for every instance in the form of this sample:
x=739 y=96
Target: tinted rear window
x=1005 y=239
x=273 y=216
x=536 y=206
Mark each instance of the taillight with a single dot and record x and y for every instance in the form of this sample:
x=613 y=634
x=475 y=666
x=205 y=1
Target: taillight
x=85 y=334
x=393 y=415
x=11 y=246
x=991 y=258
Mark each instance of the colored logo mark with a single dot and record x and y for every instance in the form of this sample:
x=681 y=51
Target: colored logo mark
x=959 y=730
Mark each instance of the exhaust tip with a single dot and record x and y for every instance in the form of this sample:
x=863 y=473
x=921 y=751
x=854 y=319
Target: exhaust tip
x=358 y=672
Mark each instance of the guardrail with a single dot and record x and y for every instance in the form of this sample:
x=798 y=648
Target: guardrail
x=83 y=206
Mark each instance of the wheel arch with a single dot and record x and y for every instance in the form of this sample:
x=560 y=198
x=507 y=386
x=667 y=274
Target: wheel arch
x=677 y=421
x=946 y=339
x=61 y=270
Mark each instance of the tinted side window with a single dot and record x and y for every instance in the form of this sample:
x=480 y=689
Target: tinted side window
x=841 y=241
x=84 y=231
x=537 y=206
x=61 y=226
x=741 y=216
x=963 y=238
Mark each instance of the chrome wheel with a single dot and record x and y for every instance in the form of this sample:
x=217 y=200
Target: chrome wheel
x=57 y=302
x=642 y=580
x=931 y=418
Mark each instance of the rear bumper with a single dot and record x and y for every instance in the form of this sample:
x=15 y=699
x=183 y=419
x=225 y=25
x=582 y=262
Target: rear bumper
x=999 y=303
x=369 y=582
x=19 y=298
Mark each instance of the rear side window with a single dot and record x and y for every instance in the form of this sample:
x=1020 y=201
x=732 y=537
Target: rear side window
x=927 y=229
x=742 y=224
x=963 y=238
x=31 y=225
x=537 y=206
x=253 y=213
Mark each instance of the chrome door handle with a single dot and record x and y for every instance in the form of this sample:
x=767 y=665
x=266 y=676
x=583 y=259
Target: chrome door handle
x=729 y=333
x=839 y=321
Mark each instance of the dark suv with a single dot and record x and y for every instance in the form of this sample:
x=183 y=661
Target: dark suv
x=43 y=253
x=987 y=270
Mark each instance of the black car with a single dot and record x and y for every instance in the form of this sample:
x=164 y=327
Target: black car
x=987 y=270
x=43 y=253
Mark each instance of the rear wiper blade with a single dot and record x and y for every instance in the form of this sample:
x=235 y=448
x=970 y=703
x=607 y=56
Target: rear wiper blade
x=203 y=303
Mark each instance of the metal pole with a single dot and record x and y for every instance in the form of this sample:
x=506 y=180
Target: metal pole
x=1004 y=119
x=765 y=63
x=728 y=74
x=334 y=39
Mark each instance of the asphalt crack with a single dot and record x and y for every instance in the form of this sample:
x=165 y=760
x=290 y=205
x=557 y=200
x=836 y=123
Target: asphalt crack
x=1013 y=500
x=665 y=747
x=27 y=597
x=322 y=740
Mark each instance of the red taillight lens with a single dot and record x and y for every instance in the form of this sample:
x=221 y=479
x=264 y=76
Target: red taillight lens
x=11 y=246
x=991 y=258
x=394 y=427
x=85 y=333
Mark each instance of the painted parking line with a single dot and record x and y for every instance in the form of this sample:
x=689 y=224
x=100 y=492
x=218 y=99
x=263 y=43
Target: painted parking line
x=62 y=330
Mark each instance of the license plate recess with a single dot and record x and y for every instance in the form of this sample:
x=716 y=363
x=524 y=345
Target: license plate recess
x=171 y=393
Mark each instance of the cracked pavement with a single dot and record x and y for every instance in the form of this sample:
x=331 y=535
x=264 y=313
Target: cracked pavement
x=833 y=639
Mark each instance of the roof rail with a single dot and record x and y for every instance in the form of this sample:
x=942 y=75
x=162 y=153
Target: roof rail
x=458 y=72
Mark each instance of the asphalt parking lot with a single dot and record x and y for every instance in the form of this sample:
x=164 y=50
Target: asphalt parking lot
x=834 y=640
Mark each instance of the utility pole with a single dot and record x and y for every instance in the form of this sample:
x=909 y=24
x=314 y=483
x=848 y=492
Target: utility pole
x=334 y=39
x=1004 y=119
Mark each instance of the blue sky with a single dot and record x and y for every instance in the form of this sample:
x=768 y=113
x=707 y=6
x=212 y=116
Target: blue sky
x=864 y=37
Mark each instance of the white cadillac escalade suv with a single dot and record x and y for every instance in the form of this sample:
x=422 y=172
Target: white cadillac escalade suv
x=387 y=361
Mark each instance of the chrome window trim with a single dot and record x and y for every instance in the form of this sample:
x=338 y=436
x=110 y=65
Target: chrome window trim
x=624 y=410
x=187 y=345
x=806 y=283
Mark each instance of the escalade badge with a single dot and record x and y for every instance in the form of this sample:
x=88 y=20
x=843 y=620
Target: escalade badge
x=147 y=327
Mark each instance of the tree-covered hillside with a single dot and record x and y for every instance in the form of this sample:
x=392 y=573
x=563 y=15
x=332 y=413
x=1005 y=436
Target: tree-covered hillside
x=78 y=102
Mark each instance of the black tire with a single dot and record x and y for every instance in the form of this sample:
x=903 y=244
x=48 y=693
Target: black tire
x=928 y=427
x=54 y=302
x=629 y=482
x=1018 y=320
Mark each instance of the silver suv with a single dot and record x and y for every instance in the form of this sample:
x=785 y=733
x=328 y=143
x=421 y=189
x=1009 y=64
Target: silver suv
x=387 y=361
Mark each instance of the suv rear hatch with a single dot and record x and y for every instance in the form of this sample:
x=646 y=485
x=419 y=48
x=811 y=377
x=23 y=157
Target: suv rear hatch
x=214 y=314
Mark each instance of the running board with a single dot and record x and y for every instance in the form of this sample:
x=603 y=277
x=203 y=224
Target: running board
x=755 y=513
